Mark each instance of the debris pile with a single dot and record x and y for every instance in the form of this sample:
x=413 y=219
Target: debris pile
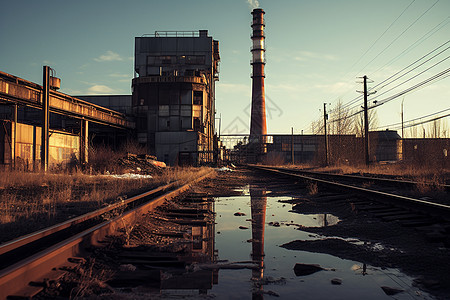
x=141 y=164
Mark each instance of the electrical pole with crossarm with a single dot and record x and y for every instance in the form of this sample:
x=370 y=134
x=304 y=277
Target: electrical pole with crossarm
x=366 y=122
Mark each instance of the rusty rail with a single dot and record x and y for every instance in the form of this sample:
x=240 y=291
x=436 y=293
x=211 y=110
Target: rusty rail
x=15 y=279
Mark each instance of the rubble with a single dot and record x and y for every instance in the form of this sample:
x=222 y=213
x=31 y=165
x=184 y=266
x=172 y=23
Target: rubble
x=141 y=164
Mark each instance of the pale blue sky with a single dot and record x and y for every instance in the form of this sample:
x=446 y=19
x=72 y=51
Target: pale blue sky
x=315 y=50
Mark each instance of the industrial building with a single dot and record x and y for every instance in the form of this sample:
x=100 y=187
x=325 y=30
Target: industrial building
x=174 y=95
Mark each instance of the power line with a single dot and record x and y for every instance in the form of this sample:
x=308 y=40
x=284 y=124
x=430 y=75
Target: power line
x=411 y=78
x=428 y=81
x=403 y=32
x=359 y=97
x=373 y=44
x=434 y=119
x=412 y=120
x=420 y=84
x=423 y=38
x=413 y=64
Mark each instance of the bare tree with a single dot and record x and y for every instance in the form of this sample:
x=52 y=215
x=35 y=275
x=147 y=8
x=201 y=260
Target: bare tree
x=359 y=121
x=437 y=129
x=340 y=122
x=317 y=126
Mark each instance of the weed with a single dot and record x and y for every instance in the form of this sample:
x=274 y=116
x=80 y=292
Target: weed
x=313 y=188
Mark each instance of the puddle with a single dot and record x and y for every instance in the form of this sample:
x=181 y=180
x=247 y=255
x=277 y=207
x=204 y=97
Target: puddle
x=259 y=241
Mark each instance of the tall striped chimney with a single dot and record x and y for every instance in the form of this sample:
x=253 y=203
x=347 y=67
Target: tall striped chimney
x=258 y=127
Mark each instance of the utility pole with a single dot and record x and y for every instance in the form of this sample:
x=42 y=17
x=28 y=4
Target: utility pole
x=366 y=121
x=292 y=145
x=402 y=118
x=325 y=117
x=366 y=124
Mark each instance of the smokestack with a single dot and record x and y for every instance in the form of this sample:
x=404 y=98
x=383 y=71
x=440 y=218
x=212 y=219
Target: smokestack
x=258 y=127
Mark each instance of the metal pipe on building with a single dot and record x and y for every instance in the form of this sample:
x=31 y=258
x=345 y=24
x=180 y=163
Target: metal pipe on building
x=258 y=127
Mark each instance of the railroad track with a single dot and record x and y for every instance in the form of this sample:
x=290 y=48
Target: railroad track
x=431 y=217
x=29 y=263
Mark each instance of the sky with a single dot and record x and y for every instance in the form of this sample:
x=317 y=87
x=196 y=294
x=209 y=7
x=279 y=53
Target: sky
x=315 y=51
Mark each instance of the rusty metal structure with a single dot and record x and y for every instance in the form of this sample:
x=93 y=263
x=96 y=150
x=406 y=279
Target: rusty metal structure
x=36 y=143
x=258 y=126
x=18 y=91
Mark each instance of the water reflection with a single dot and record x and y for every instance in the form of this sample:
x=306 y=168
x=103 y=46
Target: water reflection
x=258 y=202
x=200 y=250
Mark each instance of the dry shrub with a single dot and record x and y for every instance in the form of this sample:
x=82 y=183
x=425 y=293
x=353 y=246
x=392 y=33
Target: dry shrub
x=273 y=159
x=104 y=159
x=90 y=279
x=313 y=188
x=425 y=185
x=132 y=146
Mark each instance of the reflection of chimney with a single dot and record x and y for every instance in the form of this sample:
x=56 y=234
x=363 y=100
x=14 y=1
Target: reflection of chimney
x=258 y=202
x=258 y=126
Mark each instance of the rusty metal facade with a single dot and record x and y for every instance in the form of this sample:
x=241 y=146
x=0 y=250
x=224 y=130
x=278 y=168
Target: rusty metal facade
x=19 y=91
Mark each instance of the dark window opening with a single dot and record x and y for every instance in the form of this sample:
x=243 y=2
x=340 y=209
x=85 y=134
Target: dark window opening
x=198 y=98
x=197 y=124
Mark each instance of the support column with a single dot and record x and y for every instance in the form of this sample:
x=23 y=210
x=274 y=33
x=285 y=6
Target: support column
x=45 y=120
x=14 y=139
x=84 y=142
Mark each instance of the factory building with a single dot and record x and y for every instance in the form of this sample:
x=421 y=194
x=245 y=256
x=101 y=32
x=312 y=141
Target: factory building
x=173 y=97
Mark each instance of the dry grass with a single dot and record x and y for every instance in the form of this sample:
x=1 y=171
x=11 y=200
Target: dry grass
x=430 y=180
x=313 y=188
x=31 y=201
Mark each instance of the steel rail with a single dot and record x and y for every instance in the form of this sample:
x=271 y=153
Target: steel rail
x=359 y=189
x=15 y=278
x=361 y=178
x=26 y=239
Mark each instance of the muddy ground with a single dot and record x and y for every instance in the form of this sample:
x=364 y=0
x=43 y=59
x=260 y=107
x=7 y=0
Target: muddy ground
x=384 y=244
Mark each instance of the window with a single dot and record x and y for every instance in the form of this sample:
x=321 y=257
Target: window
x=197 y=125
x=198 y=98
x=166 y=60
x=195 y=59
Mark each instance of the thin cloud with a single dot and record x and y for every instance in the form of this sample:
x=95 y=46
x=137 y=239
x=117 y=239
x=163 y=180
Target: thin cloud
x=109 y=56
x=307 y=55
x=100 y=89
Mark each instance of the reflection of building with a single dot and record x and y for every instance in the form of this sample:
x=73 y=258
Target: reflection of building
x=201 y=250
x=258 y=201
x=173 y=95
